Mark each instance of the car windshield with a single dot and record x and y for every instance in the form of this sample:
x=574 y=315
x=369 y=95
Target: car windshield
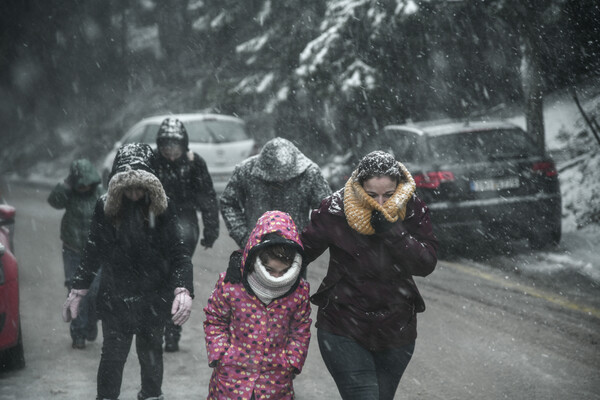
x=215 y=131
x=482 y=146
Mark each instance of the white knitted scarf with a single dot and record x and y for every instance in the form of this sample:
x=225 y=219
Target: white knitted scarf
x=267 y=287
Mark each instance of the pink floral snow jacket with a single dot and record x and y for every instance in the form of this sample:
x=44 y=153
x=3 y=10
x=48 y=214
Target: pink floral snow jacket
x=257 y=348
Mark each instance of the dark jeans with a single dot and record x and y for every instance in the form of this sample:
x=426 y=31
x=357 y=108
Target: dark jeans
x=361 y=374
x=85 y=325
x=115 y=349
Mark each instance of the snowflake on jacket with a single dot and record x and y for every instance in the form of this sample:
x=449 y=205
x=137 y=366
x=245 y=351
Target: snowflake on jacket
x=279 y=178
x=255 y=347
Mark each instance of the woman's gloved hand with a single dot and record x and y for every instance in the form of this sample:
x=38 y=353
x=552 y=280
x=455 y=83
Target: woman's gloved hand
x=379 y=223
x=71 y=307
x=182 y=306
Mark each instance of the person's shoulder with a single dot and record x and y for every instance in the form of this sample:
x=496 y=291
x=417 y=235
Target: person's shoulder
x=195 y=158
x=244 y=167
x=303 y=288
x=415 y=207
x=334 y=203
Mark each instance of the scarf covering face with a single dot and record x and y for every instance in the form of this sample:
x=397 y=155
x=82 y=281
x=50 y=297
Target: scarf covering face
x=359 y=206
x=267 y=287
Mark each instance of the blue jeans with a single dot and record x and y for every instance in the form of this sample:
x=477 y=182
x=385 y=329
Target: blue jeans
x=85 y=325
x=361 y=374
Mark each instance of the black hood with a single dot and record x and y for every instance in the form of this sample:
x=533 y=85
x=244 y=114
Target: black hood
x=172 y=130
x=133 y=167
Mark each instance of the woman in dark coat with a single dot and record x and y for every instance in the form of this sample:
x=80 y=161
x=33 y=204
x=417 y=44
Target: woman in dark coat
x=379 y=236
x=146 y=271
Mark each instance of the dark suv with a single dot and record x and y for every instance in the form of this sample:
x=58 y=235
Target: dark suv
x=484 y=178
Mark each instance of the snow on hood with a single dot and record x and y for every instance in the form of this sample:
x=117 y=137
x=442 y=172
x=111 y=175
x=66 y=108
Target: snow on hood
x=280 y=161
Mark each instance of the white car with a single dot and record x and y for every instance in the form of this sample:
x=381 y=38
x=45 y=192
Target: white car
x=221 y=140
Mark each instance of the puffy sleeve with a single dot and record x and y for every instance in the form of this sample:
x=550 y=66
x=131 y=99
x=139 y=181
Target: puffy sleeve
x=216 y=324
x=232 y=208
x=180 y=264
x=315 y=236
x=95 y=251
x=297 y=345
x=412 y=242
x=59 y=196
x=206 y=199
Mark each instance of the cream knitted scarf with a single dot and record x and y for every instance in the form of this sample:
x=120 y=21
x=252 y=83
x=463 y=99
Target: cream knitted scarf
x=358 y=205
x=267 y=287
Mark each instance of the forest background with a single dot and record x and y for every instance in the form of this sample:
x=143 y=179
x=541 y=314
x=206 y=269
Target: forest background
x=74 y=75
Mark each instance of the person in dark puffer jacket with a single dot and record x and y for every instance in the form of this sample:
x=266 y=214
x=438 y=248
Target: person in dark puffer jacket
x=77 y=195
x=146 y=272
x=189 y=187
x=280 y=177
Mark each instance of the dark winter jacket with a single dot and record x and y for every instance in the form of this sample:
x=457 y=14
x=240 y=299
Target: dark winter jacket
x=257 y=348
x=78 y=206
x=279 y=178
x=368 y=293
x=189 y=187
x=138 y=245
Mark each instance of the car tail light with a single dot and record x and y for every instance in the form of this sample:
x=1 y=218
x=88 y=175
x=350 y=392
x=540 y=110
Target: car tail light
x=432 y=180
x=545 y=168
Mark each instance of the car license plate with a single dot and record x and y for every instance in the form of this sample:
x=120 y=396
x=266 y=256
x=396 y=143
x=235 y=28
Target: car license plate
x=485 y=185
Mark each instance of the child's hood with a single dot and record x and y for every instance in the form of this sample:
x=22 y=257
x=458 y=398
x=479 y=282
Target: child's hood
x=83 y=173
x=277 y=222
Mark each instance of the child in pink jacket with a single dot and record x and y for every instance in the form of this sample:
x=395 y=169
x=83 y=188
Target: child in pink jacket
x=258 y=316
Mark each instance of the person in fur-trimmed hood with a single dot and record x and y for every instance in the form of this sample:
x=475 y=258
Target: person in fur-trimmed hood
x=185 y=178
x=258 y=316
x=280 y=177
x=146 y=271
x=379 y=236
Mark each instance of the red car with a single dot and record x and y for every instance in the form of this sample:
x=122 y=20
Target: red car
x=11 y=343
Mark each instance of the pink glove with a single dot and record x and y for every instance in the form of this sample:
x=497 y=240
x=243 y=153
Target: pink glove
x=71 y=306
x=182 y=306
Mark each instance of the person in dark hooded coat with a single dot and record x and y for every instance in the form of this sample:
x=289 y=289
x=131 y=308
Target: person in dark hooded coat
x=77 y=195
x=280 y=177
x=188 y=185
x=146 y=272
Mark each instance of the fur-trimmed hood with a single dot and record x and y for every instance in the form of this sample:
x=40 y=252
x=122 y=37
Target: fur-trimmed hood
x=133 y=167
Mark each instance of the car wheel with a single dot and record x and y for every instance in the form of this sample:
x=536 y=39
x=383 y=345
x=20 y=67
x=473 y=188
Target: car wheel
x=13 y=358
x=547 y=238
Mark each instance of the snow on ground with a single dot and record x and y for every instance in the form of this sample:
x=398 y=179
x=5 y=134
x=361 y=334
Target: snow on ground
x=579 y=174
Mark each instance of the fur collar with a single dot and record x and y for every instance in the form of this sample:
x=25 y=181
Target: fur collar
x=132 y=177
x=358 y=205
